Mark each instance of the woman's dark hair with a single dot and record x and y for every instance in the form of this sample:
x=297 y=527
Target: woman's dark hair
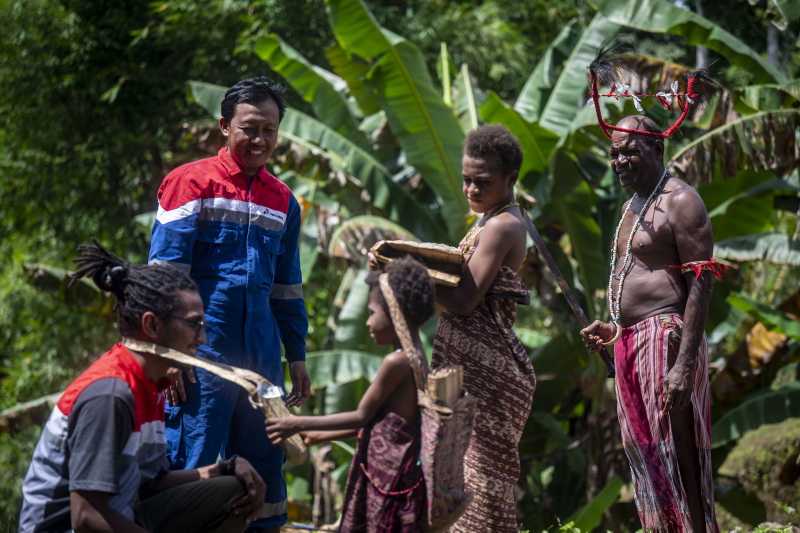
x=497 y=145
x=136 y=288
x=412 y=286
x=253 y=91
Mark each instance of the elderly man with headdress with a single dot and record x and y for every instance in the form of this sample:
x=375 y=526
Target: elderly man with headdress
x=658 y=295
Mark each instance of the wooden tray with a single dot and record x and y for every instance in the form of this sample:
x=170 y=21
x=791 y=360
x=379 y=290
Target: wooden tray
x=445 y=264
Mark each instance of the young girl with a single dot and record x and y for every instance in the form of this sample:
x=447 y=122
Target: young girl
x=385 y=489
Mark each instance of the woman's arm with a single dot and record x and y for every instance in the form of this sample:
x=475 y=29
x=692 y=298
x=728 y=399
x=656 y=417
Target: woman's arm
x=393 y=371
x=497 y=239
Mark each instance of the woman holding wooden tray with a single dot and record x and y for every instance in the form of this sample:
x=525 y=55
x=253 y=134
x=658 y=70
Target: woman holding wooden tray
x=475 y=330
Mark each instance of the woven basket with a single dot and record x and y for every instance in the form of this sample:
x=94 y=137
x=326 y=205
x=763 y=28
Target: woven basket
x=445 y=438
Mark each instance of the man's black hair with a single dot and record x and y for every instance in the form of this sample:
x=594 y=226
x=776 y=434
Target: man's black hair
x=253 y=91
x=136 y=288
x=412 y=287
x=497 y=145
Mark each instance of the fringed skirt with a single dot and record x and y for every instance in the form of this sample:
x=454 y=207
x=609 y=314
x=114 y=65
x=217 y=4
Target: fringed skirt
x=385 y=490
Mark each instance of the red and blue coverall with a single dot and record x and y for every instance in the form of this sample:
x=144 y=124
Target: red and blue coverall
x=238 y=237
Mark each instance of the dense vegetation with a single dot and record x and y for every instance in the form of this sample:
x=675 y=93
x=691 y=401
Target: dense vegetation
x=101 y=100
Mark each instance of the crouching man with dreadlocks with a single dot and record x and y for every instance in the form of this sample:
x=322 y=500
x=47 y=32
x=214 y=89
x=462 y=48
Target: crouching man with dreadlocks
x=658 y=296
x=101 y=462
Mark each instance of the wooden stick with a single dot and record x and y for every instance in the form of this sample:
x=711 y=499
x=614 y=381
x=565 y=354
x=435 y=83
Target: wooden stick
x=574 y=306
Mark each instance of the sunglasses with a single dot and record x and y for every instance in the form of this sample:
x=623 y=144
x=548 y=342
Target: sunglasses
x=197 y=324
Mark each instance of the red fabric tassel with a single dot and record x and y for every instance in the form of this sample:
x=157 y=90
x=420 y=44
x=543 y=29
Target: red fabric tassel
x=716 y=268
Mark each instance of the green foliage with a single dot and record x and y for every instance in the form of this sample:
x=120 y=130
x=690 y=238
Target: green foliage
x=317 y=86
x=661 y=16
x=371 y=147
x=424 y=126
x=763 y=407
x=591 y=515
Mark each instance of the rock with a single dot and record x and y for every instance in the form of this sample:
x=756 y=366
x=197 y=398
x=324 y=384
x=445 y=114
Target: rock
x=765 y=463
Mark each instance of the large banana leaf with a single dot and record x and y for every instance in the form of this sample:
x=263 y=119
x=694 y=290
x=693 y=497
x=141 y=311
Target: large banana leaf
x=391 y=198
x=774 y=318
x=354 y=71
x=767 y=407
x=742 y=205
x=567 y=96
x=353 y=238
x=767 y=97
x=534 y=94
x=345 y=156
x=662 y=16
x=776 y=248
x=425 y=126
x=537 y=143
x=314 y=84
x=763 y=141
x=338 y=367
x=465 y=99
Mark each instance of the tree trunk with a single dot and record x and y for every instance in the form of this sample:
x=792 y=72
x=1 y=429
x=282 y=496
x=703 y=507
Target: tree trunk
x=701 y=57
x=773 y=46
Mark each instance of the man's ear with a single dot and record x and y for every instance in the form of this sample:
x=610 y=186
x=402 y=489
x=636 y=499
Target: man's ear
x=224 y=126
x=151 y=325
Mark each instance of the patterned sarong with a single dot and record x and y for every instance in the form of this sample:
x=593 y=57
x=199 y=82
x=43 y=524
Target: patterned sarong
x=385 y=490
x=498 y=372
x=642 y=356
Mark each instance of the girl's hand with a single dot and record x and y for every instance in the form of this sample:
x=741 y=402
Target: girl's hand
x=280 y=429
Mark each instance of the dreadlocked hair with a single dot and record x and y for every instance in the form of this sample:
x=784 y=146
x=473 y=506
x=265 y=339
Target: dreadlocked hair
x=136 y=288
x=412 y=287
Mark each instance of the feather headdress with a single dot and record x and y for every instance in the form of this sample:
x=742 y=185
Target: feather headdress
x=610 y=69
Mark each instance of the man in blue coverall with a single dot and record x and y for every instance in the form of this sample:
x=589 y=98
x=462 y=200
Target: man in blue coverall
x=235 y=228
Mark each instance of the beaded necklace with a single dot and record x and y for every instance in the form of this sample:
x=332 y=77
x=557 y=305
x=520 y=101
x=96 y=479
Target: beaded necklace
x=614 y=299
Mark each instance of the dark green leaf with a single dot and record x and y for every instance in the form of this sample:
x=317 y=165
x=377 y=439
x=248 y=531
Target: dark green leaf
x=591 y=515
x=766 y=407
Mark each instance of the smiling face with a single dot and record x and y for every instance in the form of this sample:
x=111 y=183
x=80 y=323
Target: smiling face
x=484 y=187
x=379 y=323
x=251 y=134
x=635 y=159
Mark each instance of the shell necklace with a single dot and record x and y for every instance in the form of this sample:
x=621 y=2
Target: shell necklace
x=614 y=297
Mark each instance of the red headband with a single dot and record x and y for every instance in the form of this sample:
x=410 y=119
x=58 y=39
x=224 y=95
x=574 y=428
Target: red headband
x=692 y=97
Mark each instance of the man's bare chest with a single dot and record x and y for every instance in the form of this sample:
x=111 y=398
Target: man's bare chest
x=652 y=242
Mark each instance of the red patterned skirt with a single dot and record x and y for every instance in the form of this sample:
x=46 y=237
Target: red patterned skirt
x=385 y=489
x=641 y=358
